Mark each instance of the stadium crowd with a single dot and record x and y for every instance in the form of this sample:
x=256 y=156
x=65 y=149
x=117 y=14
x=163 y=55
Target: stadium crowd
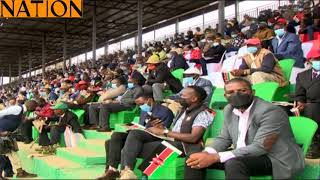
x=177 y=108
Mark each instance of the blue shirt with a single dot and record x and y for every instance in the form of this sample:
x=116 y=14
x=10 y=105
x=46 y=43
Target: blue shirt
x=158 y=111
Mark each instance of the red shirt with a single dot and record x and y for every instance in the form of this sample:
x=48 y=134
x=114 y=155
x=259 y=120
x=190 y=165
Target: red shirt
x=46 y=111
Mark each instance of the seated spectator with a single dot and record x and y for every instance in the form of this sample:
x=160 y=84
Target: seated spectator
x=287 y=45
x=44 y=109
x=260 y=65
x=63 y=118
x=237 y=41
x=189 y=127
x=308 y=99
x=10 y=119
x=161 y=116
x=198 y=34
x=99 y=117
x=265 y=34
x=193 y=78
x=50 y=95
x=160 y=79
x=260 y=133
x=118 y=87
x=213 y=55
x=177 y=61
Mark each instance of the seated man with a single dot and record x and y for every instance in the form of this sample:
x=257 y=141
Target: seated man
x=261 y=136
x=177 y=61
x=308 y=99
x=149 y=109
x=192 y=77
x=118 y=88
x=189 y=127
x=122 y=103
x=260 y=65
x=159 y=78
x=287 y=45
x=10 y=119
x=64 y=118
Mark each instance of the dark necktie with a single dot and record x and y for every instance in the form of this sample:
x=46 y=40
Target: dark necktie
x=314 y=75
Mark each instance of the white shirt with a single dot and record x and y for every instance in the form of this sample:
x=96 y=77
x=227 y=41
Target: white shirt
x=280 y=39
x=12 y=110
x=242 y=132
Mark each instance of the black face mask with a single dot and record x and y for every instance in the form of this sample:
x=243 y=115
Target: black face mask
x=183 y=102
x=240 y=100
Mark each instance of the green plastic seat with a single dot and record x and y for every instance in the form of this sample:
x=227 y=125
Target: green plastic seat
x=218 y=101
x=178 y=73
x=123 y=117
x=266 y=90
x=214 y=129
x=79 y=113
x=303 y=130
x=282 y=92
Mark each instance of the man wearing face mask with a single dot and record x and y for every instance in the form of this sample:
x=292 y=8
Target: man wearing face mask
x=152 y=114
x=287 y=45
x=189 y=127
x=177 y=61
x=263 y=142
x=124 y=102
x=259 y=65
x=308 y=98
x=213 y=55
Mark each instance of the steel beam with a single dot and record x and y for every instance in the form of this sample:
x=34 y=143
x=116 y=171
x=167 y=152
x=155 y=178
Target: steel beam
x=94 y=32
x=43 y=54
x=64 y=56
x=221 y=15
x=236 y=9
x=140 y=19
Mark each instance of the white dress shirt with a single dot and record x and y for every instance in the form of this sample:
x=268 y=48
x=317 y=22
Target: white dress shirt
x=12 y=110
x=242 y=132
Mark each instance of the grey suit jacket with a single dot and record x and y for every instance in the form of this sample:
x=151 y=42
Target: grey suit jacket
x=264 y=119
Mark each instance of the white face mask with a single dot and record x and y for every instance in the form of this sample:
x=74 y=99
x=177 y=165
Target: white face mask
x=215 y=44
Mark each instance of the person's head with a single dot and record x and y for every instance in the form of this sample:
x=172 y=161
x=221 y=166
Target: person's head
x=192 y=72
x=12 y=101
x=253 y=45
x=315 y=60
x=263 y=25
x=172 y=54
x=41 y=102
x=279 y=29
x=31 y=105
x=47 y=90
x=210 y=37
x=59 y=109
x=153 y=62
x=216 y=42
x=145 y=102
x=192 y=96
x=118 y=82
x=198 y=29
x=239 y=93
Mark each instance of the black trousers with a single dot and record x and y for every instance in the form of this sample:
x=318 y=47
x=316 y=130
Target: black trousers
x=55 y=133
x=85 y=107
x=244 y=167
x=25 y=129
x=141 y=144
x=6 y=166
x=113 y=148
x=311 y=111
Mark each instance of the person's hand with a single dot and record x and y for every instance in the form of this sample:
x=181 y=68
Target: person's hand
x=237 y=72
x=202 y=160
x=156 y=131
x=300 y=106
x=157 y=123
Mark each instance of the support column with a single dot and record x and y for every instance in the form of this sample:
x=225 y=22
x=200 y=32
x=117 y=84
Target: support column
x=221 y=16
x=2 y=78
x=106 y=48
x=69 y=62
x=43 y=54
x=19 y=65
x=10 y=73
x=94 y=32
x=236 y=9
x=85 y=56
x=140 y=19
x=203 y=21
x=177 y=26
x=30 y=61
x=65 y=48
x=154 y=33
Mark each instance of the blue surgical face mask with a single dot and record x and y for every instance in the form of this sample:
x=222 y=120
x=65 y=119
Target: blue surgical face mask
x=316 y=65
x=145 y=107
x=279 y=32
x=130 y=85
x=252 y=49
x=187 y=81
x=113 y=86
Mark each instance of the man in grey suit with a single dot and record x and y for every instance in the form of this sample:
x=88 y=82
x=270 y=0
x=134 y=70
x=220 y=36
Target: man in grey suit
x=260 y=134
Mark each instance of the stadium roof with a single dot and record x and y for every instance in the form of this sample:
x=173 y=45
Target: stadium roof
x=114 y=18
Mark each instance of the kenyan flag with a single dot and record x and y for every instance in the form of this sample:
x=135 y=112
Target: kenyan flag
x=164 y=154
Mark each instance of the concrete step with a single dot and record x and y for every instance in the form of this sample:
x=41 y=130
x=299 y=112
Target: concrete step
x=82 y=156
x=93 y=134
x=96 y=145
